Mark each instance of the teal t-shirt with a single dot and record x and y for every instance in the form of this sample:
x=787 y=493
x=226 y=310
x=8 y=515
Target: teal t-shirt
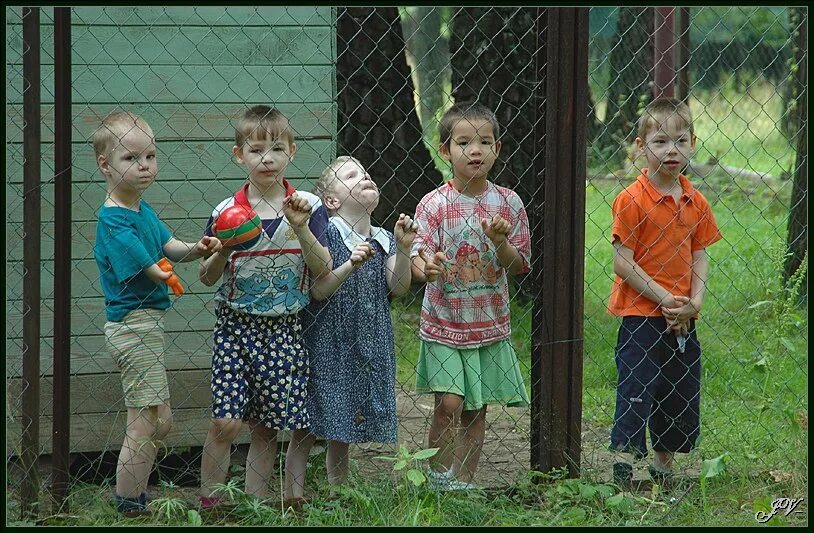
x=128 y=241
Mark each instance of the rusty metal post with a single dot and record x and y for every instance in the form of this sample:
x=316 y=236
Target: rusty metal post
x=558 y=235
x=683 y=54
x=30 y=420
x=664 y=41
x=62 y=256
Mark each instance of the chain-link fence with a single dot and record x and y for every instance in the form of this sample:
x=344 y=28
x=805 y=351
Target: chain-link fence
x=745 y=93
x=373 y=83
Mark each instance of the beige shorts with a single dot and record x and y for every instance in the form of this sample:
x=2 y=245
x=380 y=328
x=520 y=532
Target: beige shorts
x=137 y=346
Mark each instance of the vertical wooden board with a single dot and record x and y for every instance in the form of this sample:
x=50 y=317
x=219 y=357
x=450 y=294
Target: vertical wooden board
x=102 y=393
x=185 y=45
x=181 y=83
x=260 y=16
x=182 y=161
x=181 y=121
x=197 y=87
x=185 y=350
x=99 y=432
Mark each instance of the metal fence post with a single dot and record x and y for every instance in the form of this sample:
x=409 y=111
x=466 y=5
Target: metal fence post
x=683 y=54
x=557 y=323
x=62 y=254
x=664 y=46
x=29 y=455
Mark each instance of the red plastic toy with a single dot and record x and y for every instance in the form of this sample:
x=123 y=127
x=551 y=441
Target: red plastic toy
x=238 y=227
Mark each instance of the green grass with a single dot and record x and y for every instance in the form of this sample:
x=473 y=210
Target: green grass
x=384 y=501
x=737 y=128
x=742 y=128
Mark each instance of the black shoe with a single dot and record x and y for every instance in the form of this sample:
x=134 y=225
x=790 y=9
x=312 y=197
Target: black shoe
x=623 y=475
x=132 y=507
x=661 y=478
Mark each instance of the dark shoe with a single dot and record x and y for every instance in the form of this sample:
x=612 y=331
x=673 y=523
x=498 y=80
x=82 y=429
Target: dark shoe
x=137 y=513
x=295 y=503
x=132 y=507
x=663 y=479
x=623 y=475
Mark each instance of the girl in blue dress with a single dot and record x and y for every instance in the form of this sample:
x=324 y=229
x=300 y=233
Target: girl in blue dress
x=348 y=331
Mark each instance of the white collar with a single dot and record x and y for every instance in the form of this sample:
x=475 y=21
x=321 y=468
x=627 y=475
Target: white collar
x=351 y=238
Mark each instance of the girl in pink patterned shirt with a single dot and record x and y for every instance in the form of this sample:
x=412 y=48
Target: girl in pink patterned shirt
x=473 y=234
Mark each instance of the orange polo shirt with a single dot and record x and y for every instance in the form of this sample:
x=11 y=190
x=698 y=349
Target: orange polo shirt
x=663 y=237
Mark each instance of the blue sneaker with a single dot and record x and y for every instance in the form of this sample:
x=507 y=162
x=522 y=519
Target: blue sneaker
x=446 y=482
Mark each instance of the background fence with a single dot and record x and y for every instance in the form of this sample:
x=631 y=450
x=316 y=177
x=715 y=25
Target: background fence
x=373 y=82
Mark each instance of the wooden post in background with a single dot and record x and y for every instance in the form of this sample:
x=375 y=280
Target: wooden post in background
x=558 y=237
x=61 y=406
x=32 y=153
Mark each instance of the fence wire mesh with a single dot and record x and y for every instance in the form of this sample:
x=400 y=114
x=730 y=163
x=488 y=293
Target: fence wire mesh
x=373 y=83
x=744 y=95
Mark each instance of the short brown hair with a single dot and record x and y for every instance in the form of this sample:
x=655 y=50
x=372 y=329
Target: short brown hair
x=465 y=111
x=114 y=127
x=261 y=122
x=662 y=109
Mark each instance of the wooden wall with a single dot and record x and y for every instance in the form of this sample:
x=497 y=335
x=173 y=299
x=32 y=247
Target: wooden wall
x=190 y=72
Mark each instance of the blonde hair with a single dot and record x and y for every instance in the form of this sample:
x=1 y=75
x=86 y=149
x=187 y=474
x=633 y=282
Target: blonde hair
x=325 y=183
x=115 y=126
x=262 y=122
x=660 y=111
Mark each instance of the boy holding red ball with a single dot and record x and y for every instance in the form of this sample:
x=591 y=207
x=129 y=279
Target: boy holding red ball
x=259 y=365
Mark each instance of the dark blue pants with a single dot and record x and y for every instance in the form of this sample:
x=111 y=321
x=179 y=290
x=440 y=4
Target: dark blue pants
x=658 y=387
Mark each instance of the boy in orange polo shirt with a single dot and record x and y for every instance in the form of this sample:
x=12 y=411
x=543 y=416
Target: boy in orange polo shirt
x=661 y=228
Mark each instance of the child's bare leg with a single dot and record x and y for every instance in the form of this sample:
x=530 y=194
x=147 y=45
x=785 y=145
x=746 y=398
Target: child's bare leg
x=138 y=451
x=442 y=429
x=473 y=429
x=260 y=459
x=337 y=462
x=215 y=460
x=162 y=424
x=663 y=461
x=296 y=458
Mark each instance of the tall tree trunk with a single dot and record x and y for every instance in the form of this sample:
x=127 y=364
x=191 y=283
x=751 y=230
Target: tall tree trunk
x=631 y=67
x=430 y=52
x=377 y=121
x=792 y=86
x=493 y=62
x=797 y=240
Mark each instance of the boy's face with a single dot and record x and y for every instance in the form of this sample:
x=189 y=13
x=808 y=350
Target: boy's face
x=131 y=165
x=668 y=148
x=353 y=186
x=472 y=149
x=265 y=159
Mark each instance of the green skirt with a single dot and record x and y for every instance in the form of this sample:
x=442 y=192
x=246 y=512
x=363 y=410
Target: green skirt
x=486 y=375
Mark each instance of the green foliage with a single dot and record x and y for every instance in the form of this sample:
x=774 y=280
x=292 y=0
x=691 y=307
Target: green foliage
x=169 y=509
x=749 y=24
x=412 y=462
x=778 y=318
x=194 y=518
x=229 y=491
x=711 y=468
